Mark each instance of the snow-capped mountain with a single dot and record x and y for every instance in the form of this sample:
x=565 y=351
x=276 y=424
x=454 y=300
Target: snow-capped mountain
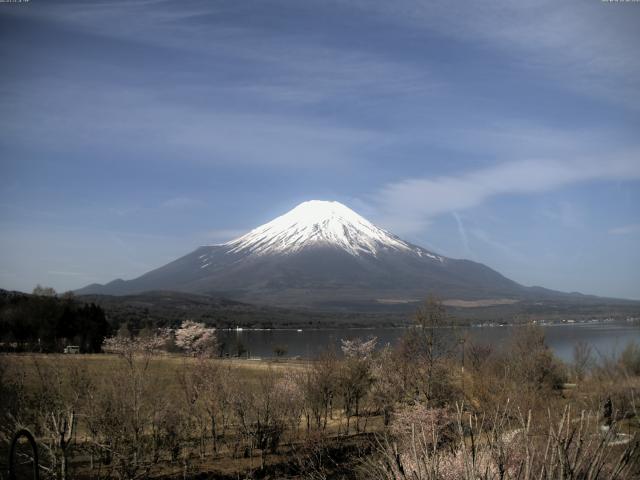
x=316 y=223
x=321 y=254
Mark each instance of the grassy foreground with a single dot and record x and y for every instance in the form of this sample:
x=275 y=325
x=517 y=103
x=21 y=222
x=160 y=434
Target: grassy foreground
x=163 y=367
x=41 y=378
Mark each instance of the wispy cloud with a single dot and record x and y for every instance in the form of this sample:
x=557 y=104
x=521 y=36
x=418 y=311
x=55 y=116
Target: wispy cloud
x=254 y=97
x=504 y=249
x=223 y=235
x=291 y=66
x=182 y=203
x=124 y=211
x=571 y=42
x=417 y=200
x=179 y=132
x=463 y=234
x=625 y=230
x=566 y=213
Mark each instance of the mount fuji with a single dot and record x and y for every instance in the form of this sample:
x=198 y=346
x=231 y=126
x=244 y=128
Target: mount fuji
x=322 y=254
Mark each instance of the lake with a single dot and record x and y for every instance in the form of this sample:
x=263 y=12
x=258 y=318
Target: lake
x=606 y=338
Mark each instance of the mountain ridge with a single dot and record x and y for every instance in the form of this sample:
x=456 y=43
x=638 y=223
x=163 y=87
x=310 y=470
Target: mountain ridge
x=324 y=255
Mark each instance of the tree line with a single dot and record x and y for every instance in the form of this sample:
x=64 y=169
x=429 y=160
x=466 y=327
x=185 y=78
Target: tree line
x=45 y=322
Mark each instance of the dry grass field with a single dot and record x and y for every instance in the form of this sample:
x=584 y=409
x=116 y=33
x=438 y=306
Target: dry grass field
x=163 y=367
x=170 y=380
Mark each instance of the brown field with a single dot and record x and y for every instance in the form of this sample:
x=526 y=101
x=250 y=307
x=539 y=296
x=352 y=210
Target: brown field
x=163 y=367
x=490 y=302
x=163 y=374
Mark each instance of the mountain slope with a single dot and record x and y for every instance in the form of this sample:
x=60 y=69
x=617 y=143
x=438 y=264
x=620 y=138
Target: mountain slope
x=322 y=254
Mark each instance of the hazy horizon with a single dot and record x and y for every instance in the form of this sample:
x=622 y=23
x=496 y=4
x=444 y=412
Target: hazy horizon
x=133 y=132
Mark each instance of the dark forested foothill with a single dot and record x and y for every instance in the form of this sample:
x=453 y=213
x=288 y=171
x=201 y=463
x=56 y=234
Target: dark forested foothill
x=44 y=322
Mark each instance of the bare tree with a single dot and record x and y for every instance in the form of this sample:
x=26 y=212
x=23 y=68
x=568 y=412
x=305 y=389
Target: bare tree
x=387 y=389
x=263 y=412
x=319 y=386
x=582 y=359
x=477 y=355
x=630 y=358
x=355 y=376
x=132 y=421
x=280 y=350
x=60 y=392
x=193 y=389
x=44 y=291
x=427 y=342
x=13 y=409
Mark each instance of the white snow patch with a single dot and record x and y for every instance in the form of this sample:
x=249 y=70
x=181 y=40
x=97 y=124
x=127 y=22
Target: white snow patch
x=319 y=222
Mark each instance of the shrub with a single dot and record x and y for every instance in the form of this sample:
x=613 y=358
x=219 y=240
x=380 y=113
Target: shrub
x=630 y=359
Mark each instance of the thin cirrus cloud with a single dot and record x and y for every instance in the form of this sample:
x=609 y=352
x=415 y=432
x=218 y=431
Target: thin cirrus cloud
x=418 y=200
x=299 y=70
x=182 y=203
x=249 y=113
x=571 y=42
x=216 y=237
x=544 y=36
x=625 y=229
x=463 y=234
x=185 y=132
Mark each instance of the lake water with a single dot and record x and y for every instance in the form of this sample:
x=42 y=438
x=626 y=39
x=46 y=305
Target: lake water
x=606 y=338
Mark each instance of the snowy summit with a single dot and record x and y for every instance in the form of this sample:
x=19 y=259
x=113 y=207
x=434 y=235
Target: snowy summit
x=317 y=223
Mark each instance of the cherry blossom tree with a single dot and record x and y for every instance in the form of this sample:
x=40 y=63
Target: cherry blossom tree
x=359 y=348
x=196 y=339
x=129 y=348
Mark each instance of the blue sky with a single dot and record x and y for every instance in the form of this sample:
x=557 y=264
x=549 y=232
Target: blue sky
x=505 y=132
